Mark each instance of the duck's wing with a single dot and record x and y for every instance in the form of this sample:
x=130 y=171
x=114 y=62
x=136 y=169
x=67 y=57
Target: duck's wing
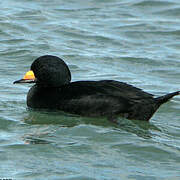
x=100 y=97
x=110 y=88
x=124 y=90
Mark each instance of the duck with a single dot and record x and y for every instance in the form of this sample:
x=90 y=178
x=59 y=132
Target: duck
x=53 y=90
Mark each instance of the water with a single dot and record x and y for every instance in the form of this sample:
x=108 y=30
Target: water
x=131 y=41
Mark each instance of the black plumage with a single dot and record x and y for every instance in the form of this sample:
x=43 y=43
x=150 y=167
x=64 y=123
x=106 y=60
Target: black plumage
x=53 y=90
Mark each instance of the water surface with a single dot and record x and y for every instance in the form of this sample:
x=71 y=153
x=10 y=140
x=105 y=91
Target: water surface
x=131 y=41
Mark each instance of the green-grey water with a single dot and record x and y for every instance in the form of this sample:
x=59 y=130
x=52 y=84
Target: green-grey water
x=134 y=41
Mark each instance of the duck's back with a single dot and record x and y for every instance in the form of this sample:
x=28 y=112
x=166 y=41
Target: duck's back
x=91 y=98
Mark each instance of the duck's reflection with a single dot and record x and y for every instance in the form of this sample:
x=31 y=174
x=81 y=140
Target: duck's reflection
x=142 y=129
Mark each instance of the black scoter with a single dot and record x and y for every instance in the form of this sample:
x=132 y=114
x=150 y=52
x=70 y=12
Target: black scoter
x=54 y=90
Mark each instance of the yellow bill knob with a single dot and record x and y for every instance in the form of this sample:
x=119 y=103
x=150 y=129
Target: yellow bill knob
x=29 y=75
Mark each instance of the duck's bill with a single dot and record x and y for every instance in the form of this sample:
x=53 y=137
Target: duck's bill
x=24 y=81
x=28 y=78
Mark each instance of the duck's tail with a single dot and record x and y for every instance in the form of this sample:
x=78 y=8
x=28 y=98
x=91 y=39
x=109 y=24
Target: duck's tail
x=162 y=99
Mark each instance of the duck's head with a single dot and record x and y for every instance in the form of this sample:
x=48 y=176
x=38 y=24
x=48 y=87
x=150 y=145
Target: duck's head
x=49 y=71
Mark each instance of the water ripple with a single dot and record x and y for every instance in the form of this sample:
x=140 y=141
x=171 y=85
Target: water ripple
x=131 y=41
